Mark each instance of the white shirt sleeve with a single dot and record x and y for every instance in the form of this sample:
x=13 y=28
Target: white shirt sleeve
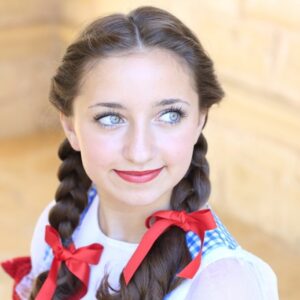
x=232 y=278
x=37 y=254
x=38 y=244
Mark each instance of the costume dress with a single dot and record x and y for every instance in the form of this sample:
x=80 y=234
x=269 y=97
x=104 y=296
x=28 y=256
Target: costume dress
x=227 y=271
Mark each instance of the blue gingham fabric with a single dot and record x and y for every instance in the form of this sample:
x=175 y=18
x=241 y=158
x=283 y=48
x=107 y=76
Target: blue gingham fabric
x=218 y=237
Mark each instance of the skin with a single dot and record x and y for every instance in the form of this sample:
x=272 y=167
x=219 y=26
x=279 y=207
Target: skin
x=142 y=138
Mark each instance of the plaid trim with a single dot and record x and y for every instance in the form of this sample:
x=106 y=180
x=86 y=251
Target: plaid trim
x=218 y=237
x=92 y=193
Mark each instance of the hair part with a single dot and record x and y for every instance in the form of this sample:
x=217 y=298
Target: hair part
x=143 y=28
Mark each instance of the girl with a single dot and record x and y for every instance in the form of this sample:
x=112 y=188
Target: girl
x=130 y=218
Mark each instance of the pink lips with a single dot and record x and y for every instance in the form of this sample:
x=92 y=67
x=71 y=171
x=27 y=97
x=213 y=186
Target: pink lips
x=138 y=177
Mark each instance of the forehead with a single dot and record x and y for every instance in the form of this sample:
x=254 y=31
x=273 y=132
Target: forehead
x=150 y=73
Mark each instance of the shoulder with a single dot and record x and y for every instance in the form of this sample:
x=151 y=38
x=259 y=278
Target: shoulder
x=29 y=268
x=41 y=254
x=237 y=273
x=38 y=245
x=239 y=276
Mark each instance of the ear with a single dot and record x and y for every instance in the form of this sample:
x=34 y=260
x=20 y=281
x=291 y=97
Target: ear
x=201 y=123
x=68 y=127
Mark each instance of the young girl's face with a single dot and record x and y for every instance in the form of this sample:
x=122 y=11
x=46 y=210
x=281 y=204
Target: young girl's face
x=136 y=112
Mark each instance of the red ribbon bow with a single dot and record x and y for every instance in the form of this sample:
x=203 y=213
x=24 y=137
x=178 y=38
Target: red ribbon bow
x=17 y=268
x=76 y=260
x=198 y=222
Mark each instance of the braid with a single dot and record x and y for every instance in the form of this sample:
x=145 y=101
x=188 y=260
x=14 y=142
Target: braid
x=151 y=282
x=156 y=276
x=71 y=194
x=193 y=190
x=71 y=199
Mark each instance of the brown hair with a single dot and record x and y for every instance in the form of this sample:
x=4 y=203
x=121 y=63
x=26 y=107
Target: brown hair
x=145 y=27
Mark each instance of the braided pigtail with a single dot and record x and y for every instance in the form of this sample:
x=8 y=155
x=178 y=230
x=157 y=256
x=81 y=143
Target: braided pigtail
x=71 y=199
x=155 y=277
x=193 y=191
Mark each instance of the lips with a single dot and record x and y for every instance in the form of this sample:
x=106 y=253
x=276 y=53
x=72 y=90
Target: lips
x=138 y=176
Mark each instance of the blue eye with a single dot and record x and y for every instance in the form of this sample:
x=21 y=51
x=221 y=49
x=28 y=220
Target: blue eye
x=174 y=115
x=109 y=119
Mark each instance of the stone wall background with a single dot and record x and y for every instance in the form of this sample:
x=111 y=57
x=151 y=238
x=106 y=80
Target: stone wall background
x=253 y=136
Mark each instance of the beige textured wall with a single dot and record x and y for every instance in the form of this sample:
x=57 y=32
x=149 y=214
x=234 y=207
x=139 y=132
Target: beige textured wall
x=254 y=140
x=28 y=56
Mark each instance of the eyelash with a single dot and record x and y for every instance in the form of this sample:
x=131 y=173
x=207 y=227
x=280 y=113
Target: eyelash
x=182 y=114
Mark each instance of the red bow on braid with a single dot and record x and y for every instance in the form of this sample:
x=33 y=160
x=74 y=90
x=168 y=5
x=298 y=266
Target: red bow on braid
x=198 y=222
x=76 y=260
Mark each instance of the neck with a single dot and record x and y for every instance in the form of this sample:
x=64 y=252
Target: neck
x=126 y=222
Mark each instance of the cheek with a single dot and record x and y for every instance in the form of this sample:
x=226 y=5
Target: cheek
x=179 y=149
x=97 y=153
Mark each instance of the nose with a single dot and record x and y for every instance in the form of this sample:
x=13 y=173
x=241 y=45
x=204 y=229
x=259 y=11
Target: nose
x=139 y=144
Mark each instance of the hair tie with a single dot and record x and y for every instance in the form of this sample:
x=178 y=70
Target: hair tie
x=76 y=260
x=198 y=222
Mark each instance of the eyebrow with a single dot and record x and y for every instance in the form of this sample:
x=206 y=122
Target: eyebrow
x=163 y=102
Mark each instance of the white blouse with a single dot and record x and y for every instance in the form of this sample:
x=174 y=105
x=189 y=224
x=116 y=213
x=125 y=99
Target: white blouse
x=227 y=271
